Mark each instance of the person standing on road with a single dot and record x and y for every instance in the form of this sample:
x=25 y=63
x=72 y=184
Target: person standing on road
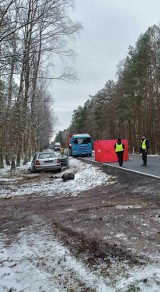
x=119 y=149
x=144 y=149
x=62 y=150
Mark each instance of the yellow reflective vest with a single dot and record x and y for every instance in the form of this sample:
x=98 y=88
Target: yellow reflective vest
x=144 y=144
x=119 y=147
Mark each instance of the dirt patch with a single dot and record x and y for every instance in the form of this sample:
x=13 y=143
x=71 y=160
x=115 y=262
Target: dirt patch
x=100 y=224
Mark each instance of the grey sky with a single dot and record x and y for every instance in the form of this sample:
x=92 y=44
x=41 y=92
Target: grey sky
x=109 y=27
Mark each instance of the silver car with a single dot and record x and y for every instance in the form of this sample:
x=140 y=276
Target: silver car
x=45 y=161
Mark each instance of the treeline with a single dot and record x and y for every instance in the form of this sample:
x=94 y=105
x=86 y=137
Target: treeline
x=33 y=34
x=129 y=107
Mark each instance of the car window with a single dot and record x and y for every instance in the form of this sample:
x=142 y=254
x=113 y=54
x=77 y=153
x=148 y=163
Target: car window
x=46 y=155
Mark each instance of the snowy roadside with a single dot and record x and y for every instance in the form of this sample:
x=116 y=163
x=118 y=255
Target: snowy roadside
x=86 y=177
x=37 y=262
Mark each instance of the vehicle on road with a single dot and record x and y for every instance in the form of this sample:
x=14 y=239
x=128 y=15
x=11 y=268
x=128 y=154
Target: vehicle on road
x=80 y=145
x=57 y=146
x=45 y=161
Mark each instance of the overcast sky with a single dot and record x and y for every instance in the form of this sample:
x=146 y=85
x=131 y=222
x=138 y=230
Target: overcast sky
x=109 y=27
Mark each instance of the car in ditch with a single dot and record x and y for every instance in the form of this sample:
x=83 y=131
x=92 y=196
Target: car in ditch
x=45 y=161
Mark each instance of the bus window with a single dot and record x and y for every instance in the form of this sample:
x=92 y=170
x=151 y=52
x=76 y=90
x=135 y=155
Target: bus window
x=87 y=140
x=80 y=141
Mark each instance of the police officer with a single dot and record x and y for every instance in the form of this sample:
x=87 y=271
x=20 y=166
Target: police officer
x=144 y=149
x=119 y=149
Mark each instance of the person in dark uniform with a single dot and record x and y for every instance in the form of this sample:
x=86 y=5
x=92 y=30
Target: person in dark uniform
x=119 y=149
x=144 y=149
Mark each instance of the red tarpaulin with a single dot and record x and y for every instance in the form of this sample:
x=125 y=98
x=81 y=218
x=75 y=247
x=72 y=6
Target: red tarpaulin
x=105 y=152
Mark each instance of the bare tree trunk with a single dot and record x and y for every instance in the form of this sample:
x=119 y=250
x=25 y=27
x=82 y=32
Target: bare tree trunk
x=1 y=132
x=8 y=111
x=16 y=145
x=1 y=125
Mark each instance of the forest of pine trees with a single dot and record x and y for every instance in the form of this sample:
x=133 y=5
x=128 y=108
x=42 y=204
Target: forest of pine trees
x=130 y=106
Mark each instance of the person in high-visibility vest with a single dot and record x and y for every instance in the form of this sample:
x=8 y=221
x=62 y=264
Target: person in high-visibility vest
x=62 y=150
x=144 y=149
x=119 y=149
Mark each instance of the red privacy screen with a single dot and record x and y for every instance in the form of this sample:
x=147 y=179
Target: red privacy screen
x=105 y=152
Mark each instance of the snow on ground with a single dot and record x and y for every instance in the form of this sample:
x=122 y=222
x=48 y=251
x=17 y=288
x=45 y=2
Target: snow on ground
x=86 y=177
x=37 y=262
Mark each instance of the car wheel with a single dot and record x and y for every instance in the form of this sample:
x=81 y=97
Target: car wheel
x=34 y=169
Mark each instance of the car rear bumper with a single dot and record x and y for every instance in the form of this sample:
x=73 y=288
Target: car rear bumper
x=47 y=167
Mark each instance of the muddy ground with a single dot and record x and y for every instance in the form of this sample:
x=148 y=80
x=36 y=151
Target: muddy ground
x=120 y=221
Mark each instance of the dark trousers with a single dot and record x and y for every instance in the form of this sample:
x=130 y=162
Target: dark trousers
x=120 y=157
x=144 y=156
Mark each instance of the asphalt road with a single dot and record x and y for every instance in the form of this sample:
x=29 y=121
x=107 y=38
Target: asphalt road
x=134 y=164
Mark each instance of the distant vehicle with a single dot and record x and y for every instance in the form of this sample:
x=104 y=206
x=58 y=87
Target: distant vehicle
x=57 y=146
x=80 y=145
x=45 y=161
